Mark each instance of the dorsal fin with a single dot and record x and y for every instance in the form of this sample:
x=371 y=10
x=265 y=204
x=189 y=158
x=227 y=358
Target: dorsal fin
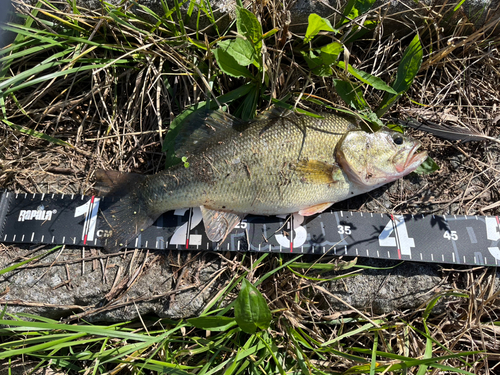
x=202 y=126
x=274 y=113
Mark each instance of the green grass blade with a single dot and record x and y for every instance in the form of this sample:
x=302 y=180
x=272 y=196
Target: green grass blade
x=17 y=265
x=367 y=78
x=34 y=133
x=407 y=71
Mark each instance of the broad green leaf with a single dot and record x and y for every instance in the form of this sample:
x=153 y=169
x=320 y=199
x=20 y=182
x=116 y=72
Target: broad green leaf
x=229 y=65
x=407 y=70
x=330 y=52
x=349 y=11
x=320 y=61
x=427 y=167
x=249 y=26
x=374 y=122
x=315 y=24
x=316 y=64
x=242 y=51
x=396 y=128
x=356 y=8
x=213 y=323
x=367 y=78
x=353 y=96
x=250 y=309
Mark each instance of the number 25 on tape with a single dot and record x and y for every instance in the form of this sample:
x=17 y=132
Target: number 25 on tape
x=400 y=239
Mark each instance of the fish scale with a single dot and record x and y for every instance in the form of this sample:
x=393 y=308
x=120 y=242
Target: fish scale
x=277 y=164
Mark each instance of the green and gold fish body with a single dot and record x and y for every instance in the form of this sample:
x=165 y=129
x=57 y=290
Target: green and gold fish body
x=280 y=164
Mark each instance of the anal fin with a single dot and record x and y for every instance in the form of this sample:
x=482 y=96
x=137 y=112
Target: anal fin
x=317 y=208
x=219 y=223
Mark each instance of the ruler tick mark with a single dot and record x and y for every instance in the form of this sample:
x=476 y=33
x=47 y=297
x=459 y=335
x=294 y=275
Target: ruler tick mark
x=22 y=238
x=32 y=236
x=41 y=240
x=453 y=256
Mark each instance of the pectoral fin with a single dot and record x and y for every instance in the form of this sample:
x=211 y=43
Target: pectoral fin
x=315 y=209
x=318 y=172
x=219 y=223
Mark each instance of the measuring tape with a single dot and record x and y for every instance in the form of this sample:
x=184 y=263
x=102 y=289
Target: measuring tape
x=76 y=220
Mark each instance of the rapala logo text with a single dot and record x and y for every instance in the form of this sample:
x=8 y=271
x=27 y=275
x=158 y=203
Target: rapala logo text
x=36 y=215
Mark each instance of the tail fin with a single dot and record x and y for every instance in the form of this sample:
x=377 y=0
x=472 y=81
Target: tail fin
x=127 y=215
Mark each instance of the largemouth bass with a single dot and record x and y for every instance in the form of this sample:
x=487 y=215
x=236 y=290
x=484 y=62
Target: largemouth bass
x=280 y=163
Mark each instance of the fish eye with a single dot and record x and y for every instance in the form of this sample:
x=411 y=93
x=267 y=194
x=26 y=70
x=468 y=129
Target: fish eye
x=398 y=139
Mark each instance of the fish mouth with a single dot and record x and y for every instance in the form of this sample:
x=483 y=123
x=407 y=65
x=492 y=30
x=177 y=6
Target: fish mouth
x=413 y=160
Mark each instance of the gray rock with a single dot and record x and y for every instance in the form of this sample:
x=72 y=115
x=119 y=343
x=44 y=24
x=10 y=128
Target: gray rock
x=114 y=287
x=120 y=287
x=406 y=286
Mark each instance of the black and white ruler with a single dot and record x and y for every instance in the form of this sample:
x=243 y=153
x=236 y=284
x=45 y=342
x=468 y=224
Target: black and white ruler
x=76 y=220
